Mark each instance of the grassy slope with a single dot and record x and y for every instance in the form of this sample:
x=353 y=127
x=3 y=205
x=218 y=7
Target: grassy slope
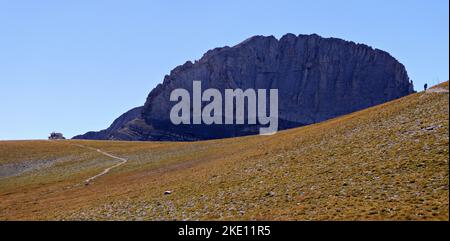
x=386 y=162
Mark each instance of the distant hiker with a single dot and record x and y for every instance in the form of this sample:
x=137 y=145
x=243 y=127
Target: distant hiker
x=425 y=86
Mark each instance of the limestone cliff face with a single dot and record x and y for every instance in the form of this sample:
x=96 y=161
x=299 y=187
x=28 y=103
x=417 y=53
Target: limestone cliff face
x=317 y=79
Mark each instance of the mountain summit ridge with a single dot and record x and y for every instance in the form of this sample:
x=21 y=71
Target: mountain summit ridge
x=317 y=78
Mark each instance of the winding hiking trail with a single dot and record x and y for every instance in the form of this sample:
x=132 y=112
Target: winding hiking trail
x=122 y=161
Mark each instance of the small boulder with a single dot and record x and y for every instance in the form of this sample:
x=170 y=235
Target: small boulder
x=270 y=194
x=430 y=128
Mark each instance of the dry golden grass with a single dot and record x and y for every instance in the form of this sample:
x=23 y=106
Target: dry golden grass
x=389 y=162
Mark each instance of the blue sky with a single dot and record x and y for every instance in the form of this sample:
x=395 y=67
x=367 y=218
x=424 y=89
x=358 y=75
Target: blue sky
x=74 y=66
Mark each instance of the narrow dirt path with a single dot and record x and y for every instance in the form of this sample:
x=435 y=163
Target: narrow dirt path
x=436 y=90
x=122 y=161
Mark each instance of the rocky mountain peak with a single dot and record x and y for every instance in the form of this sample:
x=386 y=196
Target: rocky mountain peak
x=317 y=79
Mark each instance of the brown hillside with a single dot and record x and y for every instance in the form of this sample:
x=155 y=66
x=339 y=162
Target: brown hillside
x=388 y=162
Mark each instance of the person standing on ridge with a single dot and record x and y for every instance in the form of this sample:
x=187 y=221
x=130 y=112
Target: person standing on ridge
x=425 y=86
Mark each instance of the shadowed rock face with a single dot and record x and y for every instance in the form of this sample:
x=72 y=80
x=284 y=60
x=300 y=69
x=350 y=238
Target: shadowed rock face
x=120 y=129
x=317 y=79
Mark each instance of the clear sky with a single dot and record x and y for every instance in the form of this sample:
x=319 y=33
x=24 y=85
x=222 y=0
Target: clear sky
x=74 y=66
